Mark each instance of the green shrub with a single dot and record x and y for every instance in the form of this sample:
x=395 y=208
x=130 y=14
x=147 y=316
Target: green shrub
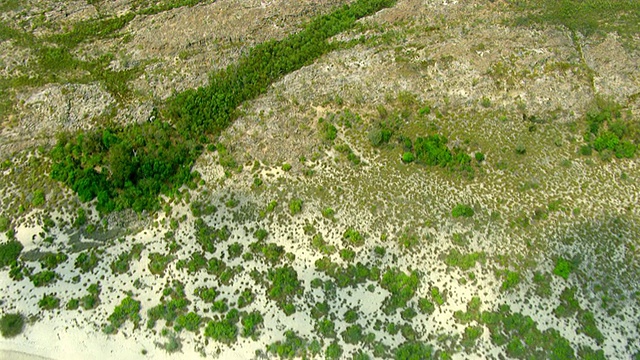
x=38 y=198
x=11 y=324
x=4 y=223
x=462 y=210
x=413 y=350
x=607 y=140
x=347 y=254
x=625 y=149
x=333 y=351
x=408 y=157
x=251 y=322
x=158 y=263
x=586 y=150
x=43 y=278
x=9 y=252
x=223 y=331
x=353 y=237
x=129 y=309
x=86 y=262
x=433 y=150
x=295 y=206
x=51 y=261
x=563 y=268
x=286 y=166
x=49 y=302
x=521 y=149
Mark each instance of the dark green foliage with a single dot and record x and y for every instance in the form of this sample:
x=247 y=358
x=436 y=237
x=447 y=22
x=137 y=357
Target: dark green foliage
x=284 y=285
x=208 y=295
x=129 y=309
x=586 y=150
x=563 y=268
x=413 y=351
x=353 y=237
x=380 y=136
x=408 y=314
x=327 y=130
x=408 y=157
x=426 y=306
x=462 y=210
x=521 y=149
x=511 y=280
x=9 y=252
x=347 y=254
x=49 y=302
x=137 y=163
x=295 y=206
x=251 y=322
x=351 y=316
x=334 y=351
x=401 y=286
x=207 y=236
x=158 y=263
x=86 y=261
x=11 y=324
x=197 y=261
x=569 y=305
x=121 y=264
x=173 y=303
x=292 y=346
x=350 y=275
x=433 y=150
x=4 y=225
x=353 y=334
x=326 y=328
x=271 y=252
x=51 y=261
x=224 y=331
x=73 y=304
x=246 y=298
x=464 y=262
x=190 y=322
x=43 y=278
x=589 y=327
x=522 y=338
x=479 y=157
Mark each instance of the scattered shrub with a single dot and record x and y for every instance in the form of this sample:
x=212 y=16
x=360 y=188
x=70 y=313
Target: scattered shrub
x=49 y=302
x=563 y=268
x=462 y=210
x=11 y=324
x=408 y=157
x=9 y=252
x=295 y=206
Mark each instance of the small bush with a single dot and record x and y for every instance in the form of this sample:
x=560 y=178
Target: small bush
x=49 y=302
x=462 y=210
x=563 y=268
x=11 y=325
x=286 y=166
x=408 y=157
x=9 y=252
x=586 y=150
x=295 y=206
x=521 y=149
x=479 y=157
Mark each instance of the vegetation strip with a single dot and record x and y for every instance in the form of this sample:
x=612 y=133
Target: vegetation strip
x=127 y=167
